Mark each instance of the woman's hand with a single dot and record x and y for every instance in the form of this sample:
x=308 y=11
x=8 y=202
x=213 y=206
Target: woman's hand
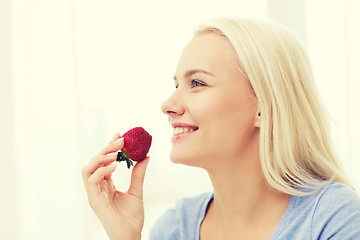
x=121 y=214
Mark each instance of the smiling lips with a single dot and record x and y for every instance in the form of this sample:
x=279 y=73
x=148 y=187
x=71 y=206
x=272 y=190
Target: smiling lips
x=177 y=129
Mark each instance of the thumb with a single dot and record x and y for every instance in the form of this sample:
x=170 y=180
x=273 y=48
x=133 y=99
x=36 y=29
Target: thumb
x=137 y=178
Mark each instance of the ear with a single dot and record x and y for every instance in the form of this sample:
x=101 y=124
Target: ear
x=257 y=119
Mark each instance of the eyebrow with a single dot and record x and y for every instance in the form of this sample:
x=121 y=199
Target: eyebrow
x=194 y=71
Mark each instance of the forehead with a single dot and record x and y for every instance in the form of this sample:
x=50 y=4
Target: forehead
x=208 y=51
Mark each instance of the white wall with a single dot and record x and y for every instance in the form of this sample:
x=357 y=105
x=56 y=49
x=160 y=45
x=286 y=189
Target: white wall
x=333 y=35
x=8 y=174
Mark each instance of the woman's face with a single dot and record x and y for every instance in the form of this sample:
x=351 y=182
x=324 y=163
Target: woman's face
x=212 y=110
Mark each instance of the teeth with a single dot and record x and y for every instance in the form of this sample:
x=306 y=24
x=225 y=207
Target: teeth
x=179 y=130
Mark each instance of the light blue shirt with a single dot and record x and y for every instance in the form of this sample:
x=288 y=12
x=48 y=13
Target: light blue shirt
x=333 y=212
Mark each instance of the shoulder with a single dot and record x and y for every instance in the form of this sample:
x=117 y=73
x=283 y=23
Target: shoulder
x=335 y=188
x=332 y=212
x=337 y=196
x=180 y=221
x=329 y=195
x=337 y=213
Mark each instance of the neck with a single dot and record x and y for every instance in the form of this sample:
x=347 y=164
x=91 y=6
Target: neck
x=242 y=199
x=238 y=189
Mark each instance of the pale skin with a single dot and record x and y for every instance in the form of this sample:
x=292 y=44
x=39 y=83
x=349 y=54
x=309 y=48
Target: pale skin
x=226 y=144
x=121 y=213
x=213 y=98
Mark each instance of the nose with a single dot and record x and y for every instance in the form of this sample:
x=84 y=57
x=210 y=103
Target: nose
x=173 y=106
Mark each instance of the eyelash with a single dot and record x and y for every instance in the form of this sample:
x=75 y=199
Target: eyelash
x=196 y=83
x=193 y=83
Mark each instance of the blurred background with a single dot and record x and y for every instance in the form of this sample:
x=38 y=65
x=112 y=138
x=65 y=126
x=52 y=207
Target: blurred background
x=73 y=73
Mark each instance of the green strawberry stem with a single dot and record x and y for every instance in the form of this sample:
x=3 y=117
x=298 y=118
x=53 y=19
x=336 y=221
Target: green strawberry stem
x=124 y=156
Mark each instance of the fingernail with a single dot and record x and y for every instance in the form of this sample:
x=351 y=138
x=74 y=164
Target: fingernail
x=118 y=141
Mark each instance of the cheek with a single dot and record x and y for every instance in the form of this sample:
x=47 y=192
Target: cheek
x=227 y=125
x=223 y=112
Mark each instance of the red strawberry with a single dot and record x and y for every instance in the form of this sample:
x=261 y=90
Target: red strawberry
x=137 y=143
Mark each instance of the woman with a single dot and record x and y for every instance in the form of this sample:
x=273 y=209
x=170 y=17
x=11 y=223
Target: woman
x=245 y=109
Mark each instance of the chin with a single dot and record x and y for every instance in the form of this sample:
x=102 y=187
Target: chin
x=188 y=160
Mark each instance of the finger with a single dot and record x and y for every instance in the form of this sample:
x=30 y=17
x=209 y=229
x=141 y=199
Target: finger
x=100 y=174
x=137 y=178
x=92 y=184
x=96 y=162
x=113 y=146
x=116 y=136
x=105 y=156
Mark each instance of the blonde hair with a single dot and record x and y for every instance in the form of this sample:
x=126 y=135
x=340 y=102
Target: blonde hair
x=296 y=151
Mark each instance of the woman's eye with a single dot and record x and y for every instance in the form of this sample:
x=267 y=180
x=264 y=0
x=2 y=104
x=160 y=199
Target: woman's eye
x=195 y=83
